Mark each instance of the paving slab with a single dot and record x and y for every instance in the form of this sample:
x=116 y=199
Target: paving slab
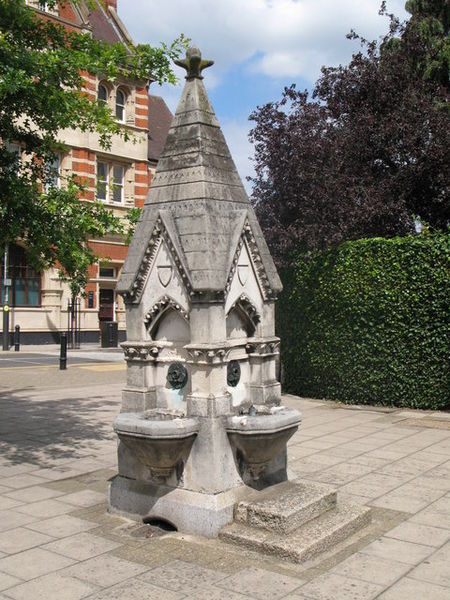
x=140 y=590
x=54 y=476
x=104 y=570
x=373 y=570
x=82 y=546
x=19 y=539
x=260 y=584
x=338 y=587
x=61 y=526
x=401 y=551
x=181 y=576
x=51 y=587
x=407 y=589
x=33 y=563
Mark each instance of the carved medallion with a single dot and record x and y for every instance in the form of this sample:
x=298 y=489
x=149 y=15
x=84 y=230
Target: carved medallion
x=233 y=373
x=164 y=274
x=243 y=271
x=177 y=376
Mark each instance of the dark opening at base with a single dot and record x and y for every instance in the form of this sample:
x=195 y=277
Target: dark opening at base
x=160 y=523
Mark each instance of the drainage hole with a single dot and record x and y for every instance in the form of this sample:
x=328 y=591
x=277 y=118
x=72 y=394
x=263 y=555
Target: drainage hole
x=158 y=524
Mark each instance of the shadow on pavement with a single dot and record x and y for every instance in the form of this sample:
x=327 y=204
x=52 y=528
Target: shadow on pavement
x=43 y=431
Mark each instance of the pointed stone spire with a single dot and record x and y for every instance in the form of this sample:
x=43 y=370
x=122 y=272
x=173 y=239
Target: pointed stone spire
x=199 y=200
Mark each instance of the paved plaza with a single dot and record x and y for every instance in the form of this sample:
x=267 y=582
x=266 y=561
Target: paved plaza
x=58 y=542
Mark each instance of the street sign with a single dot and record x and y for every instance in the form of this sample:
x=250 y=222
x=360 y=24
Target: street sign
x=7 y=282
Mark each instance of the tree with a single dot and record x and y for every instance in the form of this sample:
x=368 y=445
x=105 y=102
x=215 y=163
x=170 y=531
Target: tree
x=366 y=154
x=41 y=93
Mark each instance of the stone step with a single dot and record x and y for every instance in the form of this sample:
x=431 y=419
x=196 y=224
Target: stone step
x=286 y=506
x=306 y=542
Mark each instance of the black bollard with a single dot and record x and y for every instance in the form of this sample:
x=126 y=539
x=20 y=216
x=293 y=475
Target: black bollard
x=5 y=327
x=17 y=338
x=63 y=352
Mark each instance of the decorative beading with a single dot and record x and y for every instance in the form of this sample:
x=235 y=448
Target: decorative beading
x=248 y=238
x=207 y=355
x=159 y=233
x=263 y=348
x=246 y=305
x=140 y=352
x=161 y=306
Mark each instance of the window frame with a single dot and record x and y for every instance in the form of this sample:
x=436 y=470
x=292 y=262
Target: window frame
x=122 y=117
x=20 y=271
x=101 y=85
x=56 y=175
x=108 y=268
x=111 y=183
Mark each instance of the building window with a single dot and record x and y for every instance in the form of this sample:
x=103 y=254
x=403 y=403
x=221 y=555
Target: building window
x=16 y=157
x=25 y=287
x=52 y=179
x=120 y=105
x=41 y=5
x=107 y=272
x=117 y=184
x=110 y=182
x=102 y=94
x=102 y=181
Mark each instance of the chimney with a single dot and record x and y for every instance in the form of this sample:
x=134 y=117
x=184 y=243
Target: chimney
x=111 y=4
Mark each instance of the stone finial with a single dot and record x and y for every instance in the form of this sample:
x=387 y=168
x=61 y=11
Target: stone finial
x=193 y=63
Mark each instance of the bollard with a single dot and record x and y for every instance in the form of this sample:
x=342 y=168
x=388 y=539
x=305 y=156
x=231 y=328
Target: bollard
x=63 y=352
x=17 y=338
x=5 y=327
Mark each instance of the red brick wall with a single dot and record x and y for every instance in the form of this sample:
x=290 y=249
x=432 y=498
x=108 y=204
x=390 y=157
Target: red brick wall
x=111 y=251
x=141 y=183
x=83 y=167
x=141 y=108
x=65 y=11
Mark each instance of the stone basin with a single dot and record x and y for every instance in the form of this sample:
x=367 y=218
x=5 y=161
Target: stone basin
x=261 y=435
x=160 y=439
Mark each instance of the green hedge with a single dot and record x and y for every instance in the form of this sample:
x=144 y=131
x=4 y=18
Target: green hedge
x=368 y=323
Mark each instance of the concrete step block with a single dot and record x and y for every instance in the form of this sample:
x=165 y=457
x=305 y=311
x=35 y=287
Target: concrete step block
x=306 y=542
x=285 y=507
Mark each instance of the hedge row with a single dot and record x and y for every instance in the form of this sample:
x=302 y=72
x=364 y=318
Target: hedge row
x=368 y=323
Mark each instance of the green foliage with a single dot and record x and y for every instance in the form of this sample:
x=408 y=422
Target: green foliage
x=41 y=94
x=367 y=322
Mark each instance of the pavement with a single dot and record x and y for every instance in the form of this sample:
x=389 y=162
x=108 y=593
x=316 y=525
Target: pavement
x=58 y=542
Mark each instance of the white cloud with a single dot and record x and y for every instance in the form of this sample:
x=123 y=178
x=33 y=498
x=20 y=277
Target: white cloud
x=283 y=37
x=278 y=39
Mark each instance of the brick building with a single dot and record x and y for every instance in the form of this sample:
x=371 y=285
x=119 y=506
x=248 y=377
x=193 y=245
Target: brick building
x=120 y=177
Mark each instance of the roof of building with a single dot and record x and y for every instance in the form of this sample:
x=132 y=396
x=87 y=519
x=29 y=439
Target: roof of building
x=159 y=121
x=102 y=27
x=197 y=198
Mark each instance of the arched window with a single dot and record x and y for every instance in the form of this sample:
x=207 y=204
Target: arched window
x=25 y=289
x=120 y=105
x=102 y=94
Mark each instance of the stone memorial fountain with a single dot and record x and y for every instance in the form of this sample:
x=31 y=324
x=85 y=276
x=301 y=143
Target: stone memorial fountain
x=202 y=432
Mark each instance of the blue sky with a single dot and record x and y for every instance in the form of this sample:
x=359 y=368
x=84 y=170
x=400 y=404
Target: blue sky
x=259 y=46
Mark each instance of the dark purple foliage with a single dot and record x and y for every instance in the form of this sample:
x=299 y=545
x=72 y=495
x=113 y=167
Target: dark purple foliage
x=365 y=155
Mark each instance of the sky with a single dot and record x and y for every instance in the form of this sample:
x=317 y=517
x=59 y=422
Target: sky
x=258 y=46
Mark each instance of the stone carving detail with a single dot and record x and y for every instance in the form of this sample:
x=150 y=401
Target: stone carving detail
x=139 y=352
x=165 y=274
x=159 y=233
x=207 y=355
x=249 y=239
x=233 y=373
x=271 y=347
x=246 y=305
x=161 y=306
x=177 y=376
